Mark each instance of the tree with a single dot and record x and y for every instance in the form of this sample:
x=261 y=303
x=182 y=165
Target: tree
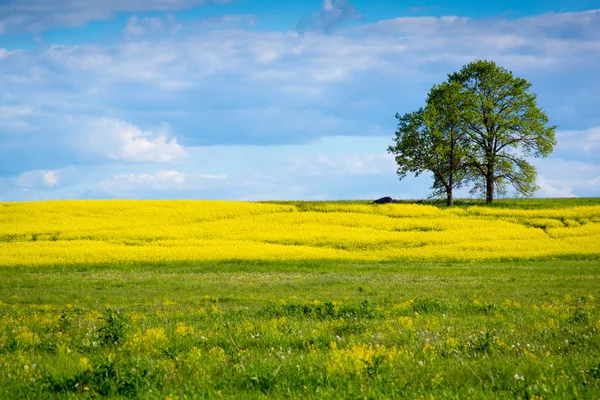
x=432 y=139
x=477 y=127
x=504 y=125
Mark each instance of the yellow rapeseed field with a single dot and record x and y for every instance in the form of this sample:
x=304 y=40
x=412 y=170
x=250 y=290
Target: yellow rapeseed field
x=104 y=232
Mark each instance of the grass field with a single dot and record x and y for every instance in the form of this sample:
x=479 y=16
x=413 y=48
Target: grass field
x=84 y=316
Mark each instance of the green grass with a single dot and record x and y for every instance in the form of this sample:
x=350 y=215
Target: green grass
x=302 y=330
x=519 y=203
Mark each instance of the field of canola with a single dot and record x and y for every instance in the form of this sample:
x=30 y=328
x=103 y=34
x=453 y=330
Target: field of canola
x=109 y=232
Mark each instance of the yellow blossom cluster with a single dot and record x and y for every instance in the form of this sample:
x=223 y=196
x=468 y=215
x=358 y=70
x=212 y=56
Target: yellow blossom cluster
x=111 y=232
x=358 y=357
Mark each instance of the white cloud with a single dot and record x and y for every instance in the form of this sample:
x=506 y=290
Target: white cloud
x=340 y=164
x=586 y=141
x=49 y=178
x=138 y=27
x=134 y=28
x=541 y=41
x=13 y=112
x=160 y=180
x=3 y=52
x=40 y=179
x=553 y=188
x=157 y=26
x=14 y=118
x=577 y=187
x=324 y=176
x=118 y=140
x=562 y=26
x=312 y=60
x=333 y=14
x=564 y=178
x=18 y=16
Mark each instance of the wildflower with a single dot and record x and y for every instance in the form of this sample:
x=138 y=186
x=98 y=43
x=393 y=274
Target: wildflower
x=183 y=330
x=428 y=348
x=85 y=363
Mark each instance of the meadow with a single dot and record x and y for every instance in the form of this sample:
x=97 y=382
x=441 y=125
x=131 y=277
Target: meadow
x=185 y=300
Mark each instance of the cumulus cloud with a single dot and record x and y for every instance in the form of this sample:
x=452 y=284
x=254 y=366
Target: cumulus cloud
x=159 y=181
x=317 y=171
x=333 y=14
x=3 y=52
x=426 y=43
x=568 y=188
x=340 y=164
x=547 y=40
x=550 y=188
x=119 y=140
x=14 y=118
x=567 y=178
x=41 y=183
x=229 y=21
x=333 y=175
x=561 y=26
x=138 y=27
x=36 y=180
x=17 y=16
x=159 y=27
x=583 y=143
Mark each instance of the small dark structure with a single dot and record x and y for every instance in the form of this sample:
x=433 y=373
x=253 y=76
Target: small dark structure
x=384 y=200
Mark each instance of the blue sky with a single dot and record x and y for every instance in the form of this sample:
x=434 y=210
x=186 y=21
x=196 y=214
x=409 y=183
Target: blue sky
x=257 y=100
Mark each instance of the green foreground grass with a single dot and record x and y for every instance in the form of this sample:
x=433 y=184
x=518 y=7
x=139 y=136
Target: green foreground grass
x=302 y=330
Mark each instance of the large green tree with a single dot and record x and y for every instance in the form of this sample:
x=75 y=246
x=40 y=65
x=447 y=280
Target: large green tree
x=478 y=127
x=500 y=115
x=433 y=140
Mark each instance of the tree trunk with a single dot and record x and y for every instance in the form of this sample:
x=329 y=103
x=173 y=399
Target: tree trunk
x=489 y=188
x=449 y=199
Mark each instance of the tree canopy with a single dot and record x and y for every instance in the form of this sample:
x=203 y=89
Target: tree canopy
x=478 y=127
x=431 y=139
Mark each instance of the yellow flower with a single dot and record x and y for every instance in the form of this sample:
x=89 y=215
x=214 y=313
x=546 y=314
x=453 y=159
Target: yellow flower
x=26 y=337
x=183 y=330
x=150 y=340
x=85 y=363
x=428 y=348
x=452 y=343
x=82 y=232
x=357 y=357
x=406 y=323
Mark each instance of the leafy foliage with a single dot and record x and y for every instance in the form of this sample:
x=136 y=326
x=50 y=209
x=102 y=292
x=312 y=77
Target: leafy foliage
x=113 y=330
x=431 y=139
x=477 y=127
x=505 y=125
